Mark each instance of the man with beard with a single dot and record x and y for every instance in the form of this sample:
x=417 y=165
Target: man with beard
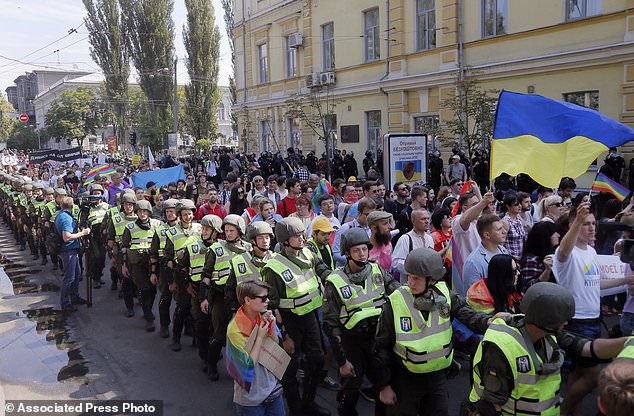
x=416 y=238
x=211 y=206
x=381 y=223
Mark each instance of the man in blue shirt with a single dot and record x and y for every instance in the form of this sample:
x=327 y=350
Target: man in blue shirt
x=66 y=226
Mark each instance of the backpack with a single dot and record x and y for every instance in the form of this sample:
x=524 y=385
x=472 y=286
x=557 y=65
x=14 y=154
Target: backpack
x=54 y=240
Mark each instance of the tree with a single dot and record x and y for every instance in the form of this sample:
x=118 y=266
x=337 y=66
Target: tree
x=202 y=43
x=7 y=122
x=474 y=113
x=227 y=5
x=140 y=117
x=74 y=115
x=150 y=36
x=109 y=50
x=316 y=110
x=23 y=137
x=203 y=145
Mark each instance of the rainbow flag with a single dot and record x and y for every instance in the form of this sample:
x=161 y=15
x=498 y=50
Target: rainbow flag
x=323 y=188
x=468 y=185
x=604 y=184
x=102 y=170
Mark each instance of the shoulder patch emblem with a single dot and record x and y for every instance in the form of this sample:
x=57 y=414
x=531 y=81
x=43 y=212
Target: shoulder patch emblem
x=523 y=364
x=117 y=219
x=163 y=233
x=406 y=324
x=242 y=268
x=287 y=275
x=130 y=225
x=173 y=231
x=346 y=292
x=195 y=248
x=219 y=252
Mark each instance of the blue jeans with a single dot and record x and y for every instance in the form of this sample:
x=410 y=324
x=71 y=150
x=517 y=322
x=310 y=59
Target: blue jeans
x=72 y=275
x=627 y=323
x=274 y=407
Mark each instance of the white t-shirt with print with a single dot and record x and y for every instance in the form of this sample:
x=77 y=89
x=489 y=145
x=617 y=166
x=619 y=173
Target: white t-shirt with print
x=580 y=275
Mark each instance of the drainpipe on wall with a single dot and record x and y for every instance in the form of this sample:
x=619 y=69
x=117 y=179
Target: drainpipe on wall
x=461 y=69
x=387 y=46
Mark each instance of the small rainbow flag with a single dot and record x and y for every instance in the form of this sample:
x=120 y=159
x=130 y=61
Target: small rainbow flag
x=102 y=170
x=604 y=184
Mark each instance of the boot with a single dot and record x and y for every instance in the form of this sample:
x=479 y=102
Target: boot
x=164 y=332
x=44 y=261
x=347 y=403
x=149 y=326
x=176 y=344
x=213 y=356
x=130 y=313
x=177 y=329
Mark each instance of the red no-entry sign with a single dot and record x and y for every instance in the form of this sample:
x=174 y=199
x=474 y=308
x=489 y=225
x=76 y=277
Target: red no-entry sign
x=24 y=117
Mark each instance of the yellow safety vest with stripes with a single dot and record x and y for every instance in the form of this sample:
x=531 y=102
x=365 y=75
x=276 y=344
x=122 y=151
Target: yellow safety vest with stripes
x=244 y=269
x=303 y=294
x=423 y=345
x=197 y=252
x=628 y=349
x=140 y=239
x=120 y=222
x=222 y=266
x=358 y=303
x=182 y=237
x=97 y=213
x=53 y=209
x=533 y=394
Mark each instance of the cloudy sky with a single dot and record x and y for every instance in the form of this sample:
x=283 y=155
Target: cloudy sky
x=35 y=33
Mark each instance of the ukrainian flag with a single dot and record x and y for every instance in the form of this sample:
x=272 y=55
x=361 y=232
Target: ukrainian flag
x=549 y=139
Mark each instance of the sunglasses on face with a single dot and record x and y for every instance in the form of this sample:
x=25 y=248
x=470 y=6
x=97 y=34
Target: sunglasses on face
x=558 y=204
x=263 y=298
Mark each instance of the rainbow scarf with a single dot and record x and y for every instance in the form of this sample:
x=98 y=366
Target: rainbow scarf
x=604 y=184
x=240 y=365
x=102 y=170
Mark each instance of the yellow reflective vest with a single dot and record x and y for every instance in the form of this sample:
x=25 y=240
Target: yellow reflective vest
x=628 y=349
x=244 y=269
x=197 y=252
x=222 y=266
x=357 y=302
x=423 y=345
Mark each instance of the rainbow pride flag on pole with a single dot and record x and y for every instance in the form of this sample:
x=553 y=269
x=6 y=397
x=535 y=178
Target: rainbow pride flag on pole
x=102 y=170
x=604 y=184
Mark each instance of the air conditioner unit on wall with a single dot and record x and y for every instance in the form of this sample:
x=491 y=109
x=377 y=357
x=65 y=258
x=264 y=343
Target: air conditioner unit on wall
x=313 y=80
x=327 y=78
x=295 y=40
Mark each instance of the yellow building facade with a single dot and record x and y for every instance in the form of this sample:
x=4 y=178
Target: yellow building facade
x=390 y=63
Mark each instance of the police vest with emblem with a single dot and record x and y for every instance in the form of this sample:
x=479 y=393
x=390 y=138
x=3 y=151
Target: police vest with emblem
x=35 y=208
x=53 y=209
x=311 y=242
x=222 y=267
x=161 y=232
x=533 y=394
x=182 y=237
x=197 y=252
x=140 y=239
x=75 y=212
x=120 y=223
x=358 y=303
x=302 y=286
x=244 y=269
x=23 y=200
x=423 y=345
x=628 y=349
x=97 y=213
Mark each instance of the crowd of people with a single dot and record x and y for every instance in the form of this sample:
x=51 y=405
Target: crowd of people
x=384 y=284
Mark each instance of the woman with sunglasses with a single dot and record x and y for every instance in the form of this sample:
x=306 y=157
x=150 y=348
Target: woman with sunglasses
x=552 y=208
x=256 y=389
x=237 y=201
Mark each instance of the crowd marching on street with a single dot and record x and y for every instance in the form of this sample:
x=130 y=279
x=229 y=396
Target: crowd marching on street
x=385 y=285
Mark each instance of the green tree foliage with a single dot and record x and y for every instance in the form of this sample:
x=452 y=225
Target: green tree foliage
x=23 y=137
x=150 y=36
x=74 y=115
x=109 y=50
x=474 y=113
x=203 y=145
x=140 y=119
x=227 y=5
x=7 y=122
x=202 y=43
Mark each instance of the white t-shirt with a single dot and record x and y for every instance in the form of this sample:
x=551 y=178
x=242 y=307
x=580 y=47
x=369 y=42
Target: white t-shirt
x=580 y=274
x=465 y=242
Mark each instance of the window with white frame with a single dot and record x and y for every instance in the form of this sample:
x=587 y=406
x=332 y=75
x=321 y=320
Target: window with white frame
x=373 y=126
x=589 y=99
x=425 y=25
x=328 y=45
x=263 y=63
x=221 y=112
x=371 y=34
x=578 y=9
x=265 y=131
x=293 y=133
x=291 y=60
x=494 y=17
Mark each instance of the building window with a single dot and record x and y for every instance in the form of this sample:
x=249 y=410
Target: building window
x=293 y=133
x=494 y=17
x=328 y=45
x=578 y=9
x=265 y=129
x=263 y=63
x=221 y=112
x=373 y=126
x=425 y=25
x=291 y=60
x=429 y=125
x=371 y=34
x=589 y=99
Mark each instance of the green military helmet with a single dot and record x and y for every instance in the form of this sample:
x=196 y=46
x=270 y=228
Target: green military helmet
x=288 y=227
x=128 y=198
x=425 y=262
x=353 y=237
x=143 y=204
x=185 y=204
x=170 y=203
x=235 y=220
x=96 y=187
x=28 y=187
x=60 y=192
x=128 y=191
x=38 y=185
x=49 y=191
x=258 y=228
x=18 y=181
x=547 y=305
x=212 y=221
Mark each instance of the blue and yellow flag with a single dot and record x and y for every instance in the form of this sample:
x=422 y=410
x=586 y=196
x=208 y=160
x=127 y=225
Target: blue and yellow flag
x=549 y=139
